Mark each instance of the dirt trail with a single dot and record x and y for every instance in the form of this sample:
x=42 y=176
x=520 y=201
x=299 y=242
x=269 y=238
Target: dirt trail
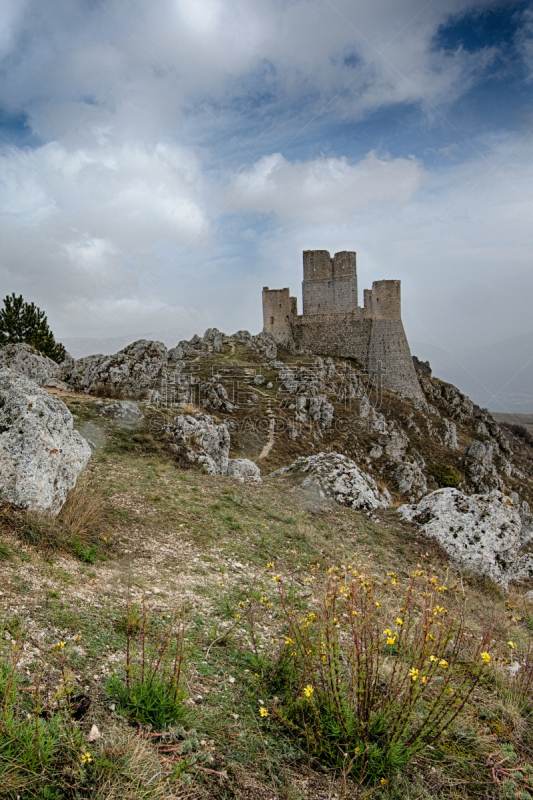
x=271 y=428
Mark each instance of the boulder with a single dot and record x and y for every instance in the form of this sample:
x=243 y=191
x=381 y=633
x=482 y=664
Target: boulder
x=481 y=533
x=28 y=361
x=123 y=410
x=244 y=469
x=41 y=455
x=410 y=479
x=137 y=371
x=201 y=441
x=340 y=477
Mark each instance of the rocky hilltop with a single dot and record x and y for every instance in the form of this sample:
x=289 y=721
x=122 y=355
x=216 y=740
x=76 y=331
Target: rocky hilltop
x=243 y=406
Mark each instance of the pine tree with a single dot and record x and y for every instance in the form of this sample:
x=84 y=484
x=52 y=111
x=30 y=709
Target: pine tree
x=24 y=322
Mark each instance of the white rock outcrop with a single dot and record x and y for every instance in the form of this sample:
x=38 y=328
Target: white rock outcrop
x=136 y=371
x=202 y=441
x=41 y=455
x=28 y=361
x=483 y=533
x=244 y=469
x=340 y=477
x=122 y=410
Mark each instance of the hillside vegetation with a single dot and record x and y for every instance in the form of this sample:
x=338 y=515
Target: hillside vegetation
x=210 y=628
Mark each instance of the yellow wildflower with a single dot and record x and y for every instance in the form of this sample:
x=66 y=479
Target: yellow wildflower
x=391 y=639
x=443 y=663
x=378 y=605
x=308 y=691
x=413 y=673
x=270 y=564
x=387 y=632
x=399 y=621
x=276 y=578
x=511 y=645
x=433 y=658
x=86 y=757
x=263 y=712
x=485 y=657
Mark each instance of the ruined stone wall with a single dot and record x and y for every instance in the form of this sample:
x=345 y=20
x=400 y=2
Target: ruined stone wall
x=347 y=336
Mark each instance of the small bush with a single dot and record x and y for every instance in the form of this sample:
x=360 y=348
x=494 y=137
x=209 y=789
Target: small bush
x=444 y=475
x=363 y=690
x=150 y=692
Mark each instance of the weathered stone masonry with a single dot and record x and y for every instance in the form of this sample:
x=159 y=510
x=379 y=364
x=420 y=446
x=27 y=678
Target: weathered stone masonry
x=333 y=323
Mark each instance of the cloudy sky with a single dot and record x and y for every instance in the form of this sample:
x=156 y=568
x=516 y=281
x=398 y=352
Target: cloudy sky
x=163 y=160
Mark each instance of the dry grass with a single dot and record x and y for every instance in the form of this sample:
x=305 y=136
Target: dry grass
x=83 y=514
x=79 y=525
x=133 y=770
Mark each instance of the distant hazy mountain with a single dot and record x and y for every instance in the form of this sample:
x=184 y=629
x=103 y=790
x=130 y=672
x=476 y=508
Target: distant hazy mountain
x=497 y=376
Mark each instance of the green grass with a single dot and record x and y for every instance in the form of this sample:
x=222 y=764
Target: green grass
x=153 y=702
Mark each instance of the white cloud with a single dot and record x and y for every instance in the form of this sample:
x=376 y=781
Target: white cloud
x=325 y=190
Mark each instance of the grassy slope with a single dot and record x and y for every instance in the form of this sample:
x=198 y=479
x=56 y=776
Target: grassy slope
x=184 y=540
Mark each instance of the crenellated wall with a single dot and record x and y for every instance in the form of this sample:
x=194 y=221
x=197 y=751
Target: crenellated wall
x=333 y=323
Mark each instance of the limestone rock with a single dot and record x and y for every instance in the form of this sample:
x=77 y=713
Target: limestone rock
x=28 y=361
x=340 y=477
x=202 y=441
x=122 y=409
x=243 y=469
x=66 y=368
x=450 y=434
x=41 y=455
x=135 y=371
x=481 y=533
x=410 y=479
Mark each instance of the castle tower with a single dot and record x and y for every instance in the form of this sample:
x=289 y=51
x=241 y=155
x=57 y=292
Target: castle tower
x=389 y=355
x=330 y=284
x=279 y=308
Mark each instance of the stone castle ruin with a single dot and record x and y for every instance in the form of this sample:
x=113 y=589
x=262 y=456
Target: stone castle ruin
x=334 y=324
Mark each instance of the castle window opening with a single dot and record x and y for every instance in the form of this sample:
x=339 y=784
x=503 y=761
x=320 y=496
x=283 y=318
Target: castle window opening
x=271 y=320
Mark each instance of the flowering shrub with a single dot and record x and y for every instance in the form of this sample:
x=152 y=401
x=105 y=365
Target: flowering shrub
x=364 y=687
